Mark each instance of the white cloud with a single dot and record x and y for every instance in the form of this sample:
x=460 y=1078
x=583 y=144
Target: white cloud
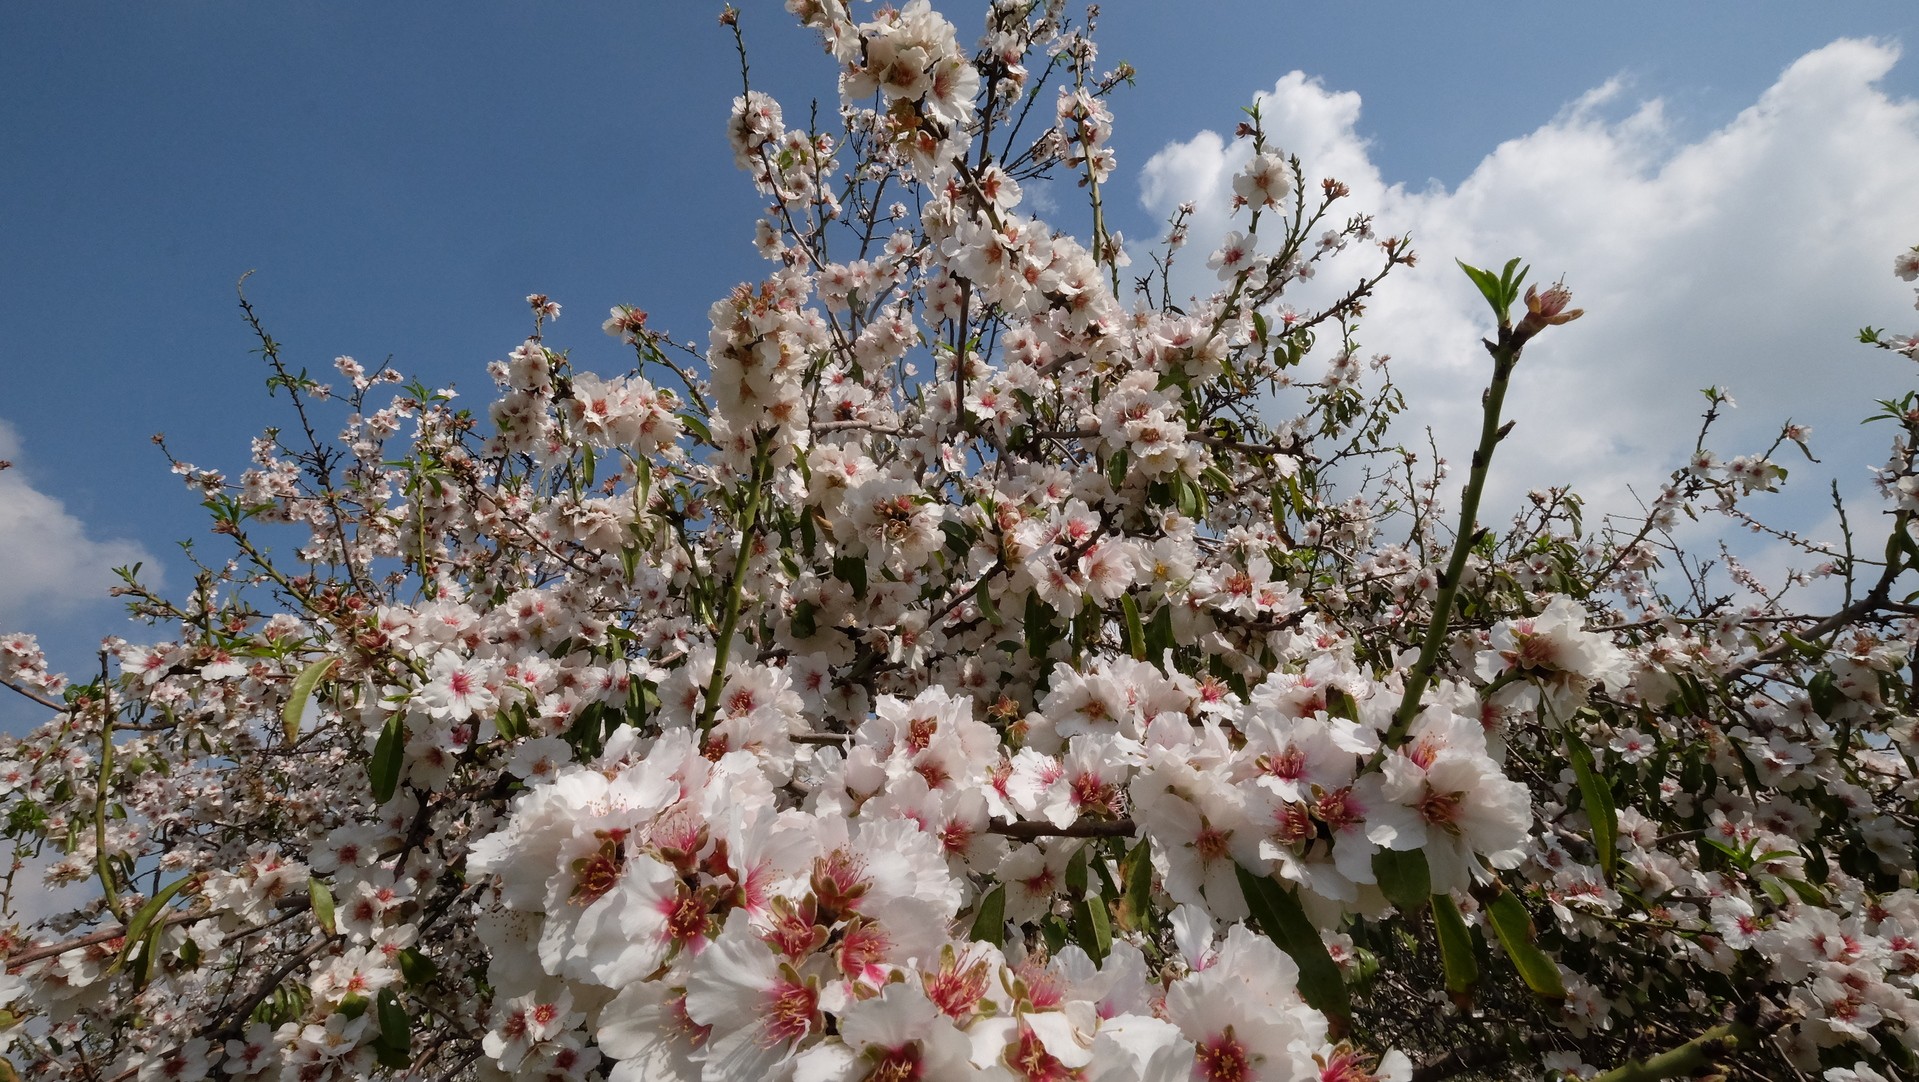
x=1747 y=259
x=49 y=566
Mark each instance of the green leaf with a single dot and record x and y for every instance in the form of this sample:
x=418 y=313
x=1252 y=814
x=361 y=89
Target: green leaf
x=852 y=571
x=1091 y=928
x=1738 y=858
x=809 y=534
x=1159 y=634
x=1135 y=904
x=1808 y=893
x=1499 y=292
x=1599 y=805
x=417 y=968
x=1135 y=631
x=1184 y=495
x=1823 y=690
x=1515 y=930
x=1455 y=949
x=146 y=917
x=322 y=904
x=1280 y=916
x=1809 y=649
x=393 y=1047
x=301 y=691
x=1773 y=890
x=383 y=770
x=983 y=597
x=1404 y=878
x=698 y=427
x=803 y=620
x=1487 y=284
x=1040 y=633
x=989 y=924
x=959 y=540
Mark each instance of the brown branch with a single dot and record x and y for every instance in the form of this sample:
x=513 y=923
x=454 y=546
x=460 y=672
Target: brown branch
x=20 y=961
x=42 y=700
x=1111 y=828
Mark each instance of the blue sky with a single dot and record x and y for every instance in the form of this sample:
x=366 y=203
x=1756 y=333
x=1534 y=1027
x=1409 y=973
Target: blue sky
x=399 y=176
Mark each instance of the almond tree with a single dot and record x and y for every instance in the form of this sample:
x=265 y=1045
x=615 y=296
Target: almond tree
x=974 y=663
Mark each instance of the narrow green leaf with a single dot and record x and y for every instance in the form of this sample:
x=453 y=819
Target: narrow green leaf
x=989 y=924
x=1818 y=867
x=698 y=427
x=1823 y=691
x=393 y=1047
x=322 y=904
x=983 y=597
x=1808 y=893
x=1186 y=496
x=1488 y=286
x=383 y=770
x=1159 y=633
x=1515 y=930
x=1455 y=948
x=1135 y=903
x=809 y=535
x=1091 y=928
x=958 y=538
x=1076 y=874
x=417 y=968
x=1039 y=628
x=1809 y=649
x=1404 y=878
x=146 y=917
x=1279 y=914
x=1738 y=858
x=852 y=571
x=1509 y=282
x=301 y=691
x=1135 y=631
x=1599 y=805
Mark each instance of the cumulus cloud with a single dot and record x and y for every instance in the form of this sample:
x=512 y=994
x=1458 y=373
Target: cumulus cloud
x=1746 y=258
x=49 y=565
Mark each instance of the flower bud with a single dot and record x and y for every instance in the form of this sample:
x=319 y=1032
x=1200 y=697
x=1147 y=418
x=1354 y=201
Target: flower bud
x=1544 y=310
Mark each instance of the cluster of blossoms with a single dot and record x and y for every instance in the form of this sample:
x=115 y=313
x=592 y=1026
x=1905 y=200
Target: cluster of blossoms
x=964 y=668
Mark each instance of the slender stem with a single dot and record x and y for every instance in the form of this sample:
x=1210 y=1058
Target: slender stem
x=1092 y=828
x=1686 y=1059
x=749 y=535
x=40 y=699
x=1505 y=355
x=17 y=962
x=1879 y=597
x=102 y=861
